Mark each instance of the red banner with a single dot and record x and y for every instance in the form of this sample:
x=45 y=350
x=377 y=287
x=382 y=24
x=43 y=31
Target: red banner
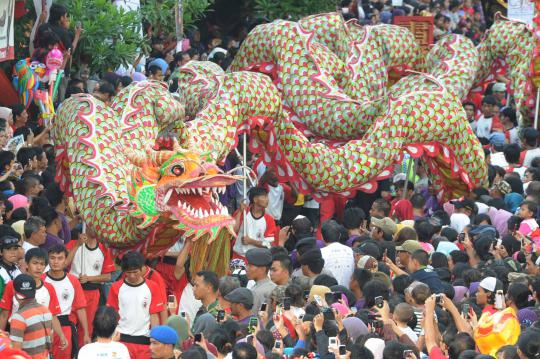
x=7 y=18
x=420 y=26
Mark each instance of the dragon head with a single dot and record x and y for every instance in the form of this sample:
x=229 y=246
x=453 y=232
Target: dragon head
x=180 y=186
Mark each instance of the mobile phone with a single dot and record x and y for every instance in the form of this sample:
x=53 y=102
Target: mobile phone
x=286 y=303
x=263 y=307
x=499 y=300
x=220 y=315
x=306 y=295
x=182 y=314
x=318 y=300
x=249 y=339
x=197 y=338
x=385 y=255
x=337 y=296
x=328 y=314
x=170 y=301
x=461 y=237
x=277 y=344
x=354 y=310
x=78 y=24
x=253 y=324
x=342 y=350
x=465 y=310
x=438 y=299
x=407 y=354
x=332 y=342
x=379 y=301
x=329 y=298
x=499 y=242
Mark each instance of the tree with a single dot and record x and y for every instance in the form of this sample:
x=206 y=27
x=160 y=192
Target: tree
x=111 y=35
x=292 y=9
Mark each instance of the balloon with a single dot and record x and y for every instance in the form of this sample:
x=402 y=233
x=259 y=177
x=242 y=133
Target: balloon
x=54 y=59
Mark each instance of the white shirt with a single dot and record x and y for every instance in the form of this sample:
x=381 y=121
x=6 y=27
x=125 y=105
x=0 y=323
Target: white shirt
x=483 y=126
x=6 y=276
x=339 y=260
x=276 y=197
x=188 y=303
x=66 y=292
x=27 y=246
x=87 y=261
x=255 y=229
x=112 y=350
x=531 y=155
x=514 y=136
x=497 y=159
x=410 y=333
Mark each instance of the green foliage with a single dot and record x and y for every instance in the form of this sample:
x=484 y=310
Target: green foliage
x=161 y=13
x=111 y=36
x=292 y=9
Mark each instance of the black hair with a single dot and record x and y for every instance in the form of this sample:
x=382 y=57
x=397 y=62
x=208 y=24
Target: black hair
x=400 y=283
x=529 y=343
x=462 y=341
x=38 y=205
x=131 y=261
x=58 y=248
x=421 y=256
x=54 y=194
x=25 y=155
x=105 y=322
x=394 y=349
x=489 y=100
x=255 y=192
x=56 y=12
x=382 y=205
x=37 y=253
x=449 y=233
x=424 y=230
x=16 y=110
x=372 y=289
x=7 y=230
x=19 y=214
x=5 y=159
x=266 y=339
x=112 y=78
x=330 y=231
x=295 y=292
x=418 y=201
x=193 y=353
x=519 y=294
x=439 y=260
x=244 y=351
x=153 y=70
x=361 y=276
x=469 y=103
x=107 y=88
x=531 y=206
x=284 y=260
x=221 y=341
x=126 y=81
x=48 y=215
x=512 y=153
x=353 y=217
x=316 y=265
x=209 y=278
x=325 y=280
x=459 y=256
x=511 y=114
x=72 y=90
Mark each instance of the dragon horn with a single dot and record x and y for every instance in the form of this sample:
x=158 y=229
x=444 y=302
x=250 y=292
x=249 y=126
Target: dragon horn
x=177 y=147
x=159 y=157
x=136 y=157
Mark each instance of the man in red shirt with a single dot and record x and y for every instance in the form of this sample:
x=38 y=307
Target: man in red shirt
x=91 y=262
x=71 y=299
x=36 y=260
x=138 y=302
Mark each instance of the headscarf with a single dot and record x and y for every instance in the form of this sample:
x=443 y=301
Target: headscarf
x=376 y=347
x=446 y=247
x=341 y=308
x=181 y=326
x=137 y=77
x=513 y=201
x=403 y=210
x=355 y=327
x=159 y=63
x=206 y=323
x=5 y=112
x=499 y=219
x=458 y=221
x=19 y=201
x=459 y=293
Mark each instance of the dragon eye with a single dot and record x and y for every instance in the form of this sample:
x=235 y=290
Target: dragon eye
x=177 y=170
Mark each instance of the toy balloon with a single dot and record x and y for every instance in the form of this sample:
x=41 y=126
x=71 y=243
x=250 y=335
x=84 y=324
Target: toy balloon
x=54 y=59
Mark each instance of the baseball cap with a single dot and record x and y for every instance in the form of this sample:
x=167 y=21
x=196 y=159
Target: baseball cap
x=497 y=139
x=409 y=246
x=164 y=334
x=367 y=262
x=464 y=203
x=310 y=256
x=504 y=187
x=260 y=257
x=240 y=295
x=529 y=133
x=499 y=87
x=387 y=225
x=25 y=286
x=7 y=242
x=491 y=284
x=370 y=248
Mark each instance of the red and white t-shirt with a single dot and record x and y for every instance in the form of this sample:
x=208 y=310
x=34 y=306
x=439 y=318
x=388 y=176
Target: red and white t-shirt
x=154 y=276
x=262 y=229
x=69 y=293
x=45 y=295
x=135 y=304
x=91 y=261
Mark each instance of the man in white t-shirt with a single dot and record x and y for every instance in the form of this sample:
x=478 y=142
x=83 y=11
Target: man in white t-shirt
x=105 y=323
x=529 y=142
x=338 y=258
x=486 y=123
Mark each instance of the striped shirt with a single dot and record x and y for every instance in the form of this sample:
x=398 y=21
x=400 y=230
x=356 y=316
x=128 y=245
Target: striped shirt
x=31 y=325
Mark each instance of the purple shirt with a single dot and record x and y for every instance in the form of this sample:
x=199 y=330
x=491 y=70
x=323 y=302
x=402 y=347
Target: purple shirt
x=65 y=231
x=50 y=241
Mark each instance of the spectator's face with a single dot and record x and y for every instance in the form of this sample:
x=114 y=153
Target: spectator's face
x=376 y=212
x=159 y=350
x=43 y=161
x=64 y=21
x=10 y=255
x=40 y=236
x=158 y=76
x=22 y=118
x=488 y=110
x=200 y=288
x=36 y=267
x=403 y=257
x=524 y=212
x=377 y=233
x=134 y=276
x=185 y=59
x=261 y=201
x=481 y=296
x=278 y=274
x=57 y=261
x=254 y=272
x=469 y=110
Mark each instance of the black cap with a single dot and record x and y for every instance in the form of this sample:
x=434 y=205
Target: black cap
x=529 y=133
x=260 y=257
x=240 y=295
x=7 y=242
x=310 y=256
x=464 y=203
x=25 y=286
x=369 y=248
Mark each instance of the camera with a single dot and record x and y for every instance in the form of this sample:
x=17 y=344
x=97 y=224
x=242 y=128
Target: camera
x=465 y=310
x=287 y=303
x=220 y=315
x=379 y=301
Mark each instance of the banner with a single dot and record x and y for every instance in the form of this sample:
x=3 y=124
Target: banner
x=521 y=10
x=7 y=18
x=420 y=26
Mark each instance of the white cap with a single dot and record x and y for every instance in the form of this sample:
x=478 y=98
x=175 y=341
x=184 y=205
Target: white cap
x=499 y=87
x=491 y=284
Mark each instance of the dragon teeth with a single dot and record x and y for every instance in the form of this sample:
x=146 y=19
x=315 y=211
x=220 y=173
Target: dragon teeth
x=168 y=196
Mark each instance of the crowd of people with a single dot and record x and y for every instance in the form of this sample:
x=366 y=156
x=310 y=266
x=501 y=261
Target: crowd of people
x=391 y=274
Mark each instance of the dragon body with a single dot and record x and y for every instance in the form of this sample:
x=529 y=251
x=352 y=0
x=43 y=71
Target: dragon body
x=315 y=99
